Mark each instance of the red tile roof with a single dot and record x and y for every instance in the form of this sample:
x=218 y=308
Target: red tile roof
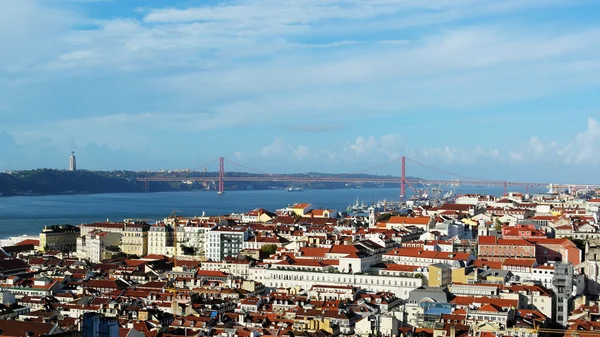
x=29 y=242
x=519 y=262
x=419 y=220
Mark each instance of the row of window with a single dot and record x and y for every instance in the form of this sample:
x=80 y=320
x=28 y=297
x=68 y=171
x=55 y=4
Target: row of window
x=340 y=279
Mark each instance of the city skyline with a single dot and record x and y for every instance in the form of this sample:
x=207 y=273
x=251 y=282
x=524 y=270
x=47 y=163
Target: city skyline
x=483 y=89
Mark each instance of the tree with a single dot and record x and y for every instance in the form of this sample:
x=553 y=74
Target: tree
x=269 y=249
x=579 y=243
x=498 y=225
x=384 y=217
x=188 y=250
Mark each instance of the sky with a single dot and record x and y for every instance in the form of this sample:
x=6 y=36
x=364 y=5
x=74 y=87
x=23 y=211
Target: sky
x=503 y=89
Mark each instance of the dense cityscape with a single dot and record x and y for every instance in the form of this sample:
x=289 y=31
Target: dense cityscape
x=468 y=265
x=312 y=168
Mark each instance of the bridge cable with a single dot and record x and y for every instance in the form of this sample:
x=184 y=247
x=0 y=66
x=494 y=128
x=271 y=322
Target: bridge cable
x=248 y=168
x=371 y=168
x=206 y=164
x=448 y=173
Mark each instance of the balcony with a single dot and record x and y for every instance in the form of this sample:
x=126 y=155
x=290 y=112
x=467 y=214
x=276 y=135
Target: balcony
x=562 y=282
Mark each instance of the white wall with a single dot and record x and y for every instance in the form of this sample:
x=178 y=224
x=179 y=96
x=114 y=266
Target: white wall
x=401 y=286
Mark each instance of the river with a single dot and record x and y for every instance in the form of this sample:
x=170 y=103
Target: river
x=29 y=214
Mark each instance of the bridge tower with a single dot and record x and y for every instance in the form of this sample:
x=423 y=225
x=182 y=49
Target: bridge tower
x=403 y=178
x=221 y=175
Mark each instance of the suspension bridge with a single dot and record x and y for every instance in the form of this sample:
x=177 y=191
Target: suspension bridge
x=402 y=180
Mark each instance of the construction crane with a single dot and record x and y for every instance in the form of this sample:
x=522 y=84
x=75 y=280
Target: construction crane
x=174 y=215
x=172 y=289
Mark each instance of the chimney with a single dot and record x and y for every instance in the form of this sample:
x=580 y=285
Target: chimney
x=452 y=331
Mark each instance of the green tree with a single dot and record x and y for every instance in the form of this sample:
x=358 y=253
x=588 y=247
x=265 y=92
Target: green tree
x=269 y=249
x=188 y=250
x=579 y=243
x=498 y=225
x=384 y=217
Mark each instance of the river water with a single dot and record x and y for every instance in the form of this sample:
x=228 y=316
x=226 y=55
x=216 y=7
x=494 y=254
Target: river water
x=29 y=214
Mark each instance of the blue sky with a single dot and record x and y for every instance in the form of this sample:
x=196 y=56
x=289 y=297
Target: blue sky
x=491 y=89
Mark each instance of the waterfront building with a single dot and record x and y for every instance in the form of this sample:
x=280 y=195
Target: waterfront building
x=300 y=209
x=62 y=238
x=14 y=240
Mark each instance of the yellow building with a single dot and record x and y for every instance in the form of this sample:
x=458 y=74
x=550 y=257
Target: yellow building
x=464 y=275
x=496 y=277
x=301 y=209
x=312 y=324
x=61 y=238
x=440 y=275
x=471 y=222
x=135 y=239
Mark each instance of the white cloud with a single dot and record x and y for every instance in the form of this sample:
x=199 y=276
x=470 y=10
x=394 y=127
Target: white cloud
x=516 y=156
x=300 y=152
x=280 y=149
x=210 y=56
x=586 y=147
x=537 y=147
x=369 y=147
x=276 y=148
x=239 y=155
x=582 y=149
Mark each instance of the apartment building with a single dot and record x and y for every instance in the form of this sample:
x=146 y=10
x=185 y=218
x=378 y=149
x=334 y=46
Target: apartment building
x=440 y=275
x=418 y=257
x=493 y=249
x=62 y=238
x=273 y=277
x=224 y=241
x=97 y=245
x=563 y=285
x=160 y=239
x=563 y=250
x=134 y=240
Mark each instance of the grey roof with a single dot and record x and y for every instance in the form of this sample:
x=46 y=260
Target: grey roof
x=437 y=294
x=440 y=265
x=496 y=272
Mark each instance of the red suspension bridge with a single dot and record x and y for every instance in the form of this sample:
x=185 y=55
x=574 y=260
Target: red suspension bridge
x=402 y=180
